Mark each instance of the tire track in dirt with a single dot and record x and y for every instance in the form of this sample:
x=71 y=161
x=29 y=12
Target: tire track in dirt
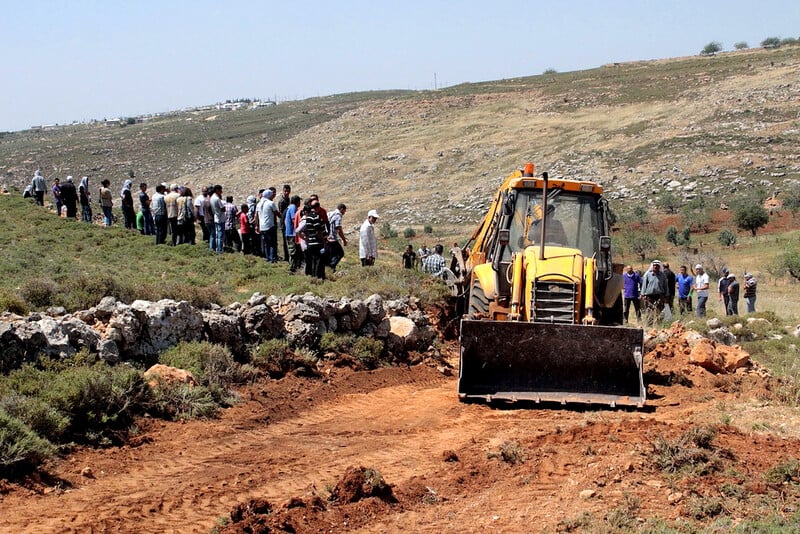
x=389 y=429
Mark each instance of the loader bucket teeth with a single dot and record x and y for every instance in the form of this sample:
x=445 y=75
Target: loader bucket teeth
x=510 y=361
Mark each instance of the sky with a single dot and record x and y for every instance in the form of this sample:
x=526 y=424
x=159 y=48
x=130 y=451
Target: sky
x=64 y=61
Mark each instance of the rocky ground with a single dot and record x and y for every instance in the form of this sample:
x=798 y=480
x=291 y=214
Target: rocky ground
x=393 y=450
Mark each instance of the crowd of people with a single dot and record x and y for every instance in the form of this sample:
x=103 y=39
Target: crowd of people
x=656 y=289
x=276 y=227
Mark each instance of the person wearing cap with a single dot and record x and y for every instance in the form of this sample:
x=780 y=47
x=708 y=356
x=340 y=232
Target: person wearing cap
x=750 y=292
x=654 y=290
x=701 y=286
x=733 y=295
x=368 y=243
x=69 y=197
x=266 y=215
x=683 y=285
x=722 y=288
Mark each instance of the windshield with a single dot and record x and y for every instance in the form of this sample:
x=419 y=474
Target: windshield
x=572 y=221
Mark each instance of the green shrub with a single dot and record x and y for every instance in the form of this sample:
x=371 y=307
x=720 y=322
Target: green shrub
x=428 y=229
x=338 y=343
x=693 y=451
x=274 y=356
x=11 y=302
x=368 y=351
x=39 y=415
x=185 y=401
x=39 y=292
x=409 y=233
x=726 y=238
x=386 y=231
x=20 y=447
x=305 y=361
x=97 y=399
x=787 y=470
x=210 y=364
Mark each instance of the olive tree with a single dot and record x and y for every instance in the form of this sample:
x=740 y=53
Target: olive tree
x=711 y=48
x=750 y=216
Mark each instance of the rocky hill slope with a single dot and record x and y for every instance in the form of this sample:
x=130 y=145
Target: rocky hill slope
x=698 y=126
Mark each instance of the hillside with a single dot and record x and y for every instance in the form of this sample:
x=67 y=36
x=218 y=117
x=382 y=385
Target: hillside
x=698 y=125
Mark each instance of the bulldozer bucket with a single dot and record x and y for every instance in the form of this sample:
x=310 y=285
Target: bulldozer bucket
x=510 y=360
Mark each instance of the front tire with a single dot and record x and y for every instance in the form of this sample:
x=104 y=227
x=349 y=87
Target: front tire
x=478 y=303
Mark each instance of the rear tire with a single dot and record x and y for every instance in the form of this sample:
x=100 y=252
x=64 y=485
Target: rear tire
x=478 y=303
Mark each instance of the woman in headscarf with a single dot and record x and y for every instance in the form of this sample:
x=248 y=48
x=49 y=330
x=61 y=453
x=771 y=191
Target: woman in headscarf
x=128 y=213
x=85 y=197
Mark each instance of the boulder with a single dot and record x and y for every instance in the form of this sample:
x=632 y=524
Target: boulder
x=733 y=357
x=713 y=323
x=12 y=348
x=261 y=322
x=360 y=313
x=224 y=329
x=108 y=351
x=165 y=374
x=374 y=304
x=722 y=335
x=80 y=334
x=165 y=324
x=125 y=329
x=705 y=355
x=403 y=334
x=303 y=334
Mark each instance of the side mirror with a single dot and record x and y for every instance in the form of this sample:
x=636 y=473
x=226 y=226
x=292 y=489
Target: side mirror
x=605 y=243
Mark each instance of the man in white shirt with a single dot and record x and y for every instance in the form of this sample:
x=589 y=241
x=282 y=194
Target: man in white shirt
x=267 y=213
x=368 y=243
x=701 y=282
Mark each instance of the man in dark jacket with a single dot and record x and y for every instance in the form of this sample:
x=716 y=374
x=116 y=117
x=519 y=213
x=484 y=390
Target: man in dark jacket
x=670 y=295
x=69 y=197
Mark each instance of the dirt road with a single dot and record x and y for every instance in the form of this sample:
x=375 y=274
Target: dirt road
x=296 y=437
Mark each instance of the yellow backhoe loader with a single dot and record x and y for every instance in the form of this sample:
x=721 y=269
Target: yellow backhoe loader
x=543 y=317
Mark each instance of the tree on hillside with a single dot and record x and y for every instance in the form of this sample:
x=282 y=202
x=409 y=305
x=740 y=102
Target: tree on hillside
x=696 y=214
x=790 y=263
x=711 y=48
x=668 y=201
x=641 y=243
x=640 y=214
x=791 y=201
x=771 y=42
x=550 y=71
x=750 y=216
x=741 y=45
x=788 y=41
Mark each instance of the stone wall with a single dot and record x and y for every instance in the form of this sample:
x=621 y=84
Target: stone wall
x=141 y=330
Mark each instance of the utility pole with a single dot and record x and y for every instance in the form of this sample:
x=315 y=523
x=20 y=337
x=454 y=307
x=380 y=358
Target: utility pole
x=435 y=87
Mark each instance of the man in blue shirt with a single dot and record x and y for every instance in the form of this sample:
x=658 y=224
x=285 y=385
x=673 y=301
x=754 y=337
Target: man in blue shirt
x=630 y=292
x=683 y=283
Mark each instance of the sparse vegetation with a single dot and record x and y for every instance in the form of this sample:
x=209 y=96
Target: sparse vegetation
x=726 y=238
x=692 y=451
x=711 y=49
